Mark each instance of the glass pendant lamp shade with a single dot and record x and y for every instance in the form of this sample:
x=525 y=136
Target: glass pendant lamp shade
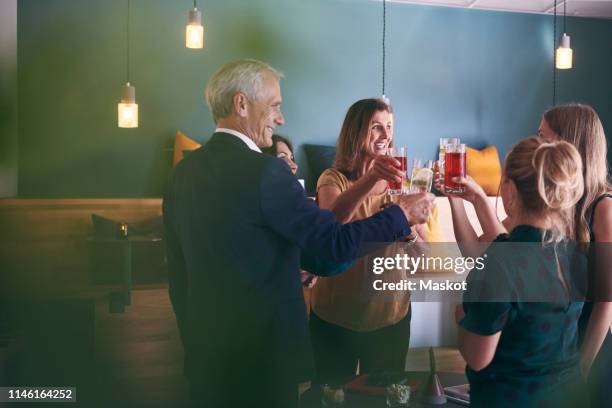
x=194 y=32
x=127 y=110
x=563 y=56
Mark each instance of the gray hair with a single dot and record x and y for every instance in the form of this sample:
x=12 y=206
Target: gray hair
x=244 y=76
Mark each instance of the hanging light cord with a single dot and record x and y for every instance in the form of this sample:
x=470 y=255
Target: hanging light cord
x=564 y=14
x=127 y=40
x=383 y=44
x=554 y=101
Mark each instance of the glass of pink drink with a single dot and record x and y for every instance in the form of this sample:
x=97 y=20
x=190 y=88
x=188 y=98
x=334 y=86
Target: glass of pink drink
x=399 y=154
x=454 y=166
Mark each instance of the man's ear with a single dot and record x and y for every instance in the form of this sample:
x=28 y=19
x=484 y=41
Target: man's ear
x=241 y=104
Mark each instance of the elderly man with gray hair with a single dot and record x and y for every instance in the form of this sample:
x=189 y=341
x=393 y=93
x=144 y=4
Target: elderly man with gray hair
x=236 y=224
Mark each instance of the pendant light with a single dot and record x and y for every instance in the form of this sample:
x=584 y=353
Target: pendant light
x=127 y=109
x=194 y=32
x=563 y=58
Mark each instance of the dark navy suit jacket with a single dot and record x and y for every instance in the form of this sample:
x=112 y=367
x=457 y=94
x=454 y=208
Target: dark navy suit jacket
x=236 y=221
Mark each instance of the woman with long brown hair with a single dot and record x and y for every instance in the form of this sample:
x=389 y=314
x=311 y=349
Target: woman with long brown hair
x=283 y=149
x=351 y=325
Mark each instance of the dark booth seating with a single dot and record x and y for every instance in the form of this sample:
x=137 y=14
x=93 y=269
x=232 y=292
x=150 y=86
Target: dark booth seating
x=319 y=158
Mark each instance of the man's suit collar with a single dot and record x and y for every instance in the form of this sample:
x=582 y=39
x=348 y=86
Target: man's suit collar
x=225 y=140
x=235 y=136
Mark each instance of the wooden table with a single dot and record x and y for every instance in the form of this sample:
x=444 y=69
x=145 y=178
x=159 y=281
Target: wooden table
x=451 y=367
x=312 y=397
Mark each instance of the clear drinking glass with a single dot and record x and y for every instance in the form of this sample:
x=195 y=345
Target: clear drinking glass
x=445 y=141
x=422 y=176
x=399 y=154
x=398 y=395
x=455 y=167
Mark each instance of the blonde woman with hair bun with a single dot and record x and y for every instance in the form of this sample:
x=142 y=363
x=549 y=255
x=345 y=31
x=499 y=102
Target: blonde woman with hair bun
x=540 y=180
x=524 y=353
x=580 y=125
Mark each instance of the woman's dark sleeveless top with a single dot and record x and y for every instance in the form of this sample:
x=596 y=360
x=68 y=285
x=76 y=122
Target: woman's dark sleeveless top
x=588 y=306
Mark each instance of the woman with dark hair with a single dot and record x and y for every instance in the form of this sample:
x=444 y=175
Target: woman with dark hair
x=283 y=149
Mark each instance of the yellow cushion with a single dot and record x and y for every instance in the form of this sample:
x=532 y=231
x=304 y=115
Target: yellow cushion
x=484 y=167
x=182 y=143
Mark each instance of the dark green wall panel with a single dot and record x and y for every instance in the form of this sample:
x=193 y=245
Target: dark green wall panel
x=9 y=143
x=483 y=76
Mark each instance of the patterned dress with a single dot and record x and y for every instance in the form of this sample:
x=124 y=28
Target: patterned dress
x=521 y=295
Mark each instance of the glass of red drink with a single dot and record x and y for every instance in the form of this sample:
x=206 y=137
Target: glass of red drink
x=454 y=166
x=399 y=154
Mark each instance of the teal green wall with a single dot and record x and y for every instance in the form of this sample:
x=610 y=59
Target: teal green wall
x=483 y=76
x=8 y=99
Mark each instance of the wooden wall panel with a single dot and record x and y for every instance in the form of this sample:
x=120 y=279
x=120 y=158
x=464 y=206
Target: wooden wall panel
x=43 y=242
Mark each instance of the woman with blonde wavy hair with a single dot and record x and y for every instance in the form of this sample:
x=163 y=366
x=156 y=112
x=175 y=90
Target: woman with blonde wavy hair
x=518 y=323
x=580 y=125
